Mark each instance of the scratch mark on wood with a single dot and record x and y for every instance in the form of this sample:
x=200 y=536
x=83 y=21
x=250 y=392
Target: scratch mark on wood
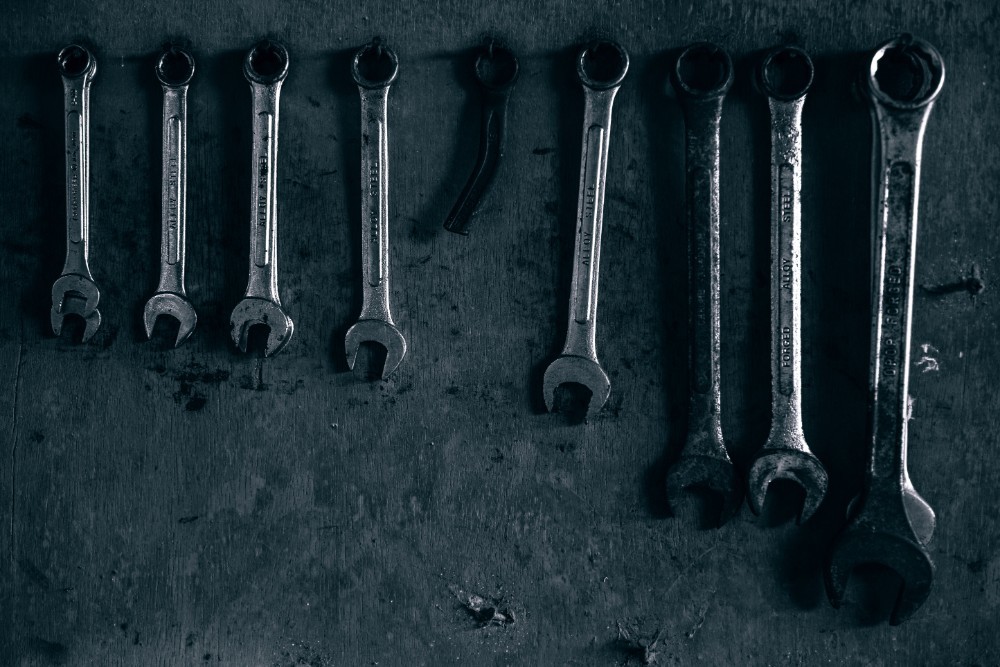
x=14 y=440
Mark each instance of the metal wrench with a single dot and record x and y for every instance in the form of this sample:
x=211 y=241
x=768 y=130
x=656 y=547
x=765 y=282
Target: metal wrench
x=702 y=76
x=785 y=75
x=374 y=69
x=75 y=292
x=174 y=69
x=265 y=67
x=601 y=68
x=496 y=71
x=890 y=523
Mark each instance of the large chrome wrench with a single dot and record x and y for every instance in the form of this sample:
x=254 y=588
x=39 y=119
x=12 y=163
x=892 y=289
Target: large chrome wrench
x=601 y=68
x=785 y=75
x=374 y=68
x=890 y=523
x=265 y=67
x=74 y=292
x=702 y=77
x=174 y=69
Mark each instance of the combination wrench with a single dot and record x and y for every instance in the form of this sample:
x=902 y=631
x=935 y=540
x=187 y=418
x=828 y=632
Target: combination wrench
x=785 y=75
x=374 y=69
x=265 y=67
x=174 y=69
x=496 y=71
x=702 y=77
x=601 y=68
x=889 y=522
x=75 y=292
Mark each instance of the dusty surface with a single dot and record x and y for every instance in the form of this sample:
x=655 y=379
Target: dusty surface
x=199 y=506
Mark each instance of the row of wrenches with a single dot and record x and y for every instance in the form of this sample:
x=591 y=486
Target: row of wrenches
x=889 y=523
x=75 y=293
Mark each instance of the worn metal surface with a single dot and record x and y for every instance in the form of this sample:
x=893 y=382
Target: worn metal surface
x=198 y=505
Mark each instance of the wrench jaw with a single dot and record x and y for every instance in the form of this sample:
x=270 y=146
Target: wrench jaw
x=77 y=295
x=706 y=473
x=253 y=311
x=172 y=305
x=376 y=331
x=567 y=369
x=863 y=543
x=791 y=464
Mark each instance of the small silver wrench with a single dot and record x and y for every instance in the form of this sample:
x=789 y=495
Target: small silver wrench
x=75 y=292
x=174 y=69
x=374 y=68
x=785 y=75
x=265 y=67
x=889 y=522
x=601 y=68
x=702 y=77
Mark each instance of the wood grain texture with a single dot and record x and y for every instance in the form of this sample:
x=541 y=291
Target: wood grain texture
x=196 y=506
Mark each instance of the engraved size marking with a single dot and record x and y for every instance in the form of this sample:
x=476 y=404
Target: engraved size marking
x=173 y=189
x=586 y=257
x=784 y=241
x=375 y=205
x=264 y=214
x=74 y=150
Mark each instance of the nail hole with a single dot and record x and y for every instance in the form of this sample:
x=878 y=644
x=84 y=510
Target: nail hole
x=74 y=60
x=603 y=64
x=496 y=68
x=268 y=60
x=703 y=68
x=787 y=73
x=175 y=67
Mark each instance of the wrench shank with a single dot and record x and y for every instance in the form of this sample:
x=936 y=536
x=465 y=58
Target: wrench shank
x=702 y=120
x=174 y=191
x=898 y=167
x=76 y=93
x=786 y=270
x=263 y=281
x=375 y=204
x=581 y=334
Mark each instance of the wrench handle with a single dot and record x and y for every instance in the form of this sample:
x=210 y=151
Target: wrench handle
x=76 y=99
x=900 y=143
x=581 y=333
x=375 y=203
x=173 y=198
x=702 y=120
x=786 y=266
x=263 y=280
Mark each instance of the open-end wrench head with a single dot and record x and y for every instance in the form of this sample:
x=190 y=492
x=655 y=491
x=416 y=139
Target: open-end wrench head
x=907 y=557
x=710 y=473
x=376 y=331
x=920 y=65
x=92 y=321
x=175 y=306
x=80 y=287
x=252 y=311
x=801 y=467
x=567 y=369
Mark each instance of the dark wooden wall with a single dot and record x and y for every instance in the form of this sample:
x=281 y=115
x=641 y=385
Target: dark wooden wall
x=179 y=507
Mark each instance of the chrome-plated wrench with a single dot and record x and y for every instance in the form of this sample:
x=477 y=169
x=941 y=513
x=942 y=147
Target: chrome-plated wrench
x=265 y=67
x=601 y=68
x=75 y=292
x=890 y=523
x=174 y=69
x=702 y=77
x=785 y=75
x=374 y=69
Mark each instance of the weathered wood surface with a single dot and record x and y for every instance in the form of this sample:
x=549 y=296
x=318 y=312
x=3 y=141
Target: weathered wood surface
x=196 y=506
